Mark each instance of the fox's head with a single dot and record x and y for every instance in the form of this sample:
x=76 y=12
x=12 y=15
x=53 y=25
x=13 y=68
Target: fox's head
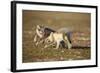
x=40 y=30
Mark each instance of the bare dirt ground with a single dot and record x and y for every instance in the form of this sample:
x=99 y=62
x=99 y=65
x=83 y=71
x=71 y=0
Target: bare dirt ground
x=79 y=22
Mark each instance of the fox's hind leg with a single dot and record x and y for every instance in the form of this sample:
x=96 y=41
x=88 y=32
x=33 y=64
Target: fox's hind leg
x=68 y=42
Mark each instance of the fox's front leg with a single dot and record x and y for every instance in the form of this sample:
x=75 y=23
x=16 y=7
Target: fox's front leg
x=35 y=38
x=36 y=41
x=58 y=44
x=39 y=42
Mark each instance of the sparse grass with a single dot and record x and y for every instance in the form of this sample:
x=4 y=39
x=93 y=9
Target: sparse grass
x=37 y=54
x=32 y=53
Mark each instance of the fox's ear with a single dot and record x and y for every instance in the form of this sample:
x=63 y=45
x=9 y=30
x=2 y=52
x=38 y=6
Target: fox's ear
x=38 y=26
x=51 y=33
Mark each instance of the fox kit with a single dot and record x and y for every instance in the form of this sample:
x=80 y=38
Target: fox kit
x=56 y=38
